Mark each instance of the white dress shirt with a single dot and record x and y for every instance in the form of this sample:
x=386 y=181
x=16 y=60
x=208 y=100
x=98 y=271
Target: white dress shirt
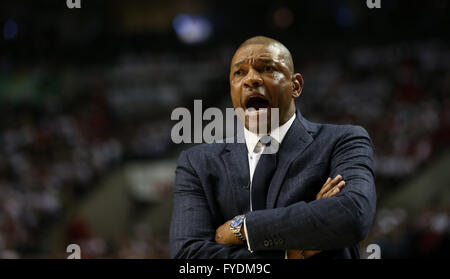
x=255 y=148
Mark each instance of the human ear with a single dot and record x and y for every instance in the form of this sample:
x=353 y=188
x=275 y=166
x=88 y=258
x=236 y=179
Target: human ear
x=297 y=81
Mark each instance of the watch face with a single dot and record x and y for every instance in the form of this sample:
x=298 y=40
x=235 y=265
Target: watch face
x=236 y=221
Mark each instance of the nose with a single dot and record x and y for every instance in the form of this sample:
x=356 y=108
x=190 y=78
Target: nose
x=253 y=79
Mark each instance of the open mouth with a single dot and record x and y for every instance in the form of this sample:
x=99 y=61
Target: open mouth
x=257 y=103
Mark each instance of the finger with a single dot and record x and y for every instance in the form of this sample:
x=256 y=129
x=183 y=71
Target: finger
x=329 y=186
x=326 y=187
x=323 y=188
x=329 y=193
x=341 y=184
x=336 y=189
x=335 y=180
x=332 y=193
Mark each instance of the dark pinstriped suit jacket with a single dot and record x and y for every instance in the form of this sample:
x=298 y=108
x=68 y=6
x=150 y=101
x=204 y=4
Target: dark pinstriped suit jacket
x=211 y=188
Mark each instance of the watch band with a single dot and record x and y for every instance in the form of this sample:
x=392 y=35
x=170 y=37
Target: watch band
x=236 y=225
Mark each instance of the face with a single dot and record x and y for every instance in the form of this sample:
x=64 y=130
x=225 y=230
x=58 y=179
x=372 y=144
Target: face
x=260 y=79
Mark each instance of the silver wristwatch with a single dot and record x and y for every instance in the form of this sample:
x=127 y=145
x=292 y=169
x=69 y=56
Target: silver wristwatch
x=236 y=225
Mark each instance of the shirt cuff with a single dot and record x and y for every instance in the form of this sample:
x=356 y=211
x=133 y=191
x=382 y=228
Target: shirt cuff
x=246 y=234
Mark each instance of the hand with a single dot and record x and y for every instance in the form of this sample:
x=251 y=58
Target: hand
x=330 y=188
x=225 y=236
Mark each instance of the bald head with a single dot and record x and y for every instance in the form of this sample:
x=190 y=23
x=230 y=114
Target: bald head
x=262 y=71
x=266 y=41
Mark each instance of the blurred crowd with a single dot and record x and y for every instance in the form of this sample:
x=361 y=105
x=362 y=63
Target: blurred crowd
x=401 y=94
x=401 y=236
x=51 y=156
x=48 y=160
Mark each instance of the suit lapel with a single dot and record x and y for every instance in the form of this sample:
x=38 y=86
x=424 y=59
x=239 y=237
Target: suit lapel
x=295 y=141
x=236 y=164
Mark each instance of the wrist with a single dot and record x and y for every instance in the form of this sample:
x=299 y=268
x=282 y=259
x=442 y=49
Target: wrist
x=237 y=227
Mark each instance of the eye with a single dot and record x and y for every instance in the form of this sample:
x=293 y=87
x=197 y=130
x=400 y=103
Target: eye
x=268 y=69
x=238 y=72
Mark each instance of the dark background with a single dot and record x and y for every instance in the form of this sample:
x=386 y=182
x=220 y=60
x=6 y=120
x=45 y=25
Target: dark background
x=86 y=97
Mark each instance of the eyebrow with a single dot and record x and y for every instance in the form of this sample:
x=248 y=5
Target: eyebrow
x=267 y=61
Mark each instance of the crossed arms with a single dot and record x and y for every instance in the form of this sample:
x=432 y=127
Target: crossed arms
x=324 y=224
x=330 y=188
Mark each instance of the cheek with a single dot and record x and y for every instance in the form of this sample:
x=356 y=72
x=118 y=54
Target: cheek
x=278 y=81
x=277 y=77
x=285 y=96
x=280 y=89
x=235 y=96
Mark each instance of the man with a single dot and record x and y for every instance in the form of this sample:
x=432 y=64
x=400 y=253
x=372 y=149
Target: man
x=233 y=201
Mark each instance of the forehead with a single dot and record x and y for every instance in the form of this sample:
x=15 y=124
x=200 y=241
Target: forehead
x=254 y=51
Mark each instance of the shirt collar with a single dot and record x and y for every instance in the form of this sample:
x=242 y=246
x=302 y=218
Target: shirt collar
x=251 y=139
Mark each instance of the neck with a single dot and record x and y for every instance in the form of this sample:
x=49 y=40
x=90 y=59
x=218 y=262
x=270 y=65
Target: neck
x=288 y=115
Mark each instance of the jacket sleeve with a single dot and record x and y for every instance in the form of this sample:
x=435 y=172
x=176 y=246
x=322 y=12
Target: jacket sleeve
x=192 y=229
x=329 y=223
